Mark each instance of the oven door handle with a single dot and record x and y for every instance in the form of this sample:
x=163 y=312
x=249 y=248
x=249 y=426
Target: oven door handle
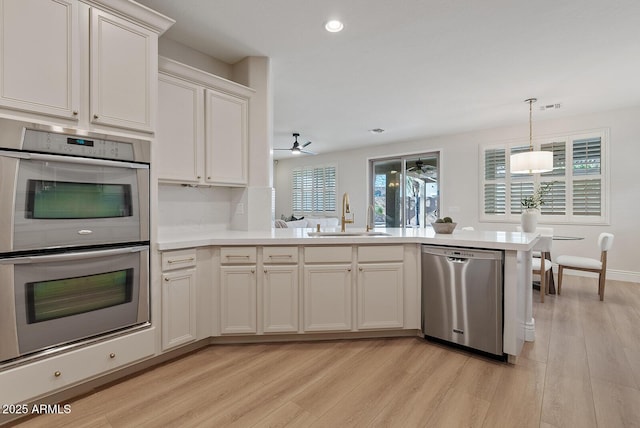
x=72 y=159
x=72 y=256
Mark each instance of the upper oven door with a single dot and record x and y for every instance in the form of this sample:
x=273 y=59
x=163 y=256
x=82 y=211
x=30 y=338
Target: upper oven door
x=60 y=201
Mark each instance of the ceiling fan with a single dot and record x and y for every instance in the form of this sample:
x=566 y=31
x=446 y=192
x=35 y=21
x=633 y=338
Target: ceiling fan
x=419 y=166
x=424 y=171
x=297 y=148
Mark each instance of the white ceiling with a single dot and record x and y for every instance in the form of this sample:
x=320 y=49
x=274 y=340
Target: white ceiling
x=420 y=68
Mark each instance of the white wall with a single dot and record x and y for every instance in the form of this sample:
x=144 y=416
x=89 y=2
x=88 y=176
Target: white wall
x=186 y=55
x=460 y=188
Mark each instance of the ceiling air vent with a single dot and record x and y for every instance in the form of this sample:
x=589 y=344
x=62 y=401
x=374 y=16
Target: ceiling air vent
x=550 y=107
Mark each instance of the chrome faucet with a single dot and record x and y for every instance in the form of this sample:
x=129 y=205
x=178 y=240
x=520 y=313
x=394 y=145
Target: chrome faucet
x=345 y=210
x=370 y=217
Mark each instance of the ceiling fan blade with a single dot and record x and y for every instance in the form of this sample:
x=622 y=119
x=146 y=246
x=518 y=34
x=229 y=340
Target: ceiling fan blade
x=308 y=152
x=306 y=144
x=281 y=149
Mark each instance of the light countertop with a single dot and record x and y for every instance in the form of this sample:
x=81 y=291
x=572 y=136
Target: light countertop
x=172 y=238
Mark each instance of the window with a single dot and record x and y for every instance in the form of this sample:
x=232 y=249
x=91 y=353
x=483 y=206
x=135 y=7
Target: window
x=578 y=180
x=313 y=190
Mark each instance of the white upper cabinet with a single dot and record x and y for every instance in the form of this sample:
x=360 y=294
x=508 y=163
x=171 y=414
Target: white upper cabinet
x=180 y=131
x=226 y=138
x=71 y=63
x=203 y=129
x=39 y=60
x=123 y=64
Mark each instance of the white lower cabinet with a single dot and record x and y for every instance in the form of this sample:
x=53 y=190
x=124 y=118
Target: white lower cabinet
x=280 y=285
x=380 y=296
x=327 y=297
x=280 y=299
x=179 y=297
x=56 y=373
x=238 y=285
x=238 y=299
x=178 y=308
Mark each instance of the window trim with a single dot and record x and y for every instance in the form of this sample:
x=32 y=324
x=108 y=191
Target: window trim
x=568 y=217
x=312 y=212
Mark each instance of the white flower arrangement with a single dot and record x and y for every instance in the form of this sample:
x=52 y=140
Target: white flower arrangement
x=536 y=200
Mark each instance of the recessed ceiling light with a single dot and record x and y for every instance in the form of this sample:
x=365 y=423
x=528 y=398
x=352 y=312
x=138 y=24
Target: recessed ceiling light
x=376 y=130
x=334 y=26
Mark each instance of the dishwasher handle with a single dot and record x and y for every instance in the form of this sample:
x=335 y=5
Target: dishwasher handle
x=457 y=260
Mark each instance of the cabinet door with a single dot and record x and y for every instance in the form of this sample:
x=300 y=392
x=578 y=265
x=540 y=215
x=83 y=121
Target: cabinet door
x=327 y=297
x=123 y=73
x=380 y=296
x=226 y=138
x=238 y=299
x=39 y=62
x=178 y=308
x=280 y=299
x=180 y=130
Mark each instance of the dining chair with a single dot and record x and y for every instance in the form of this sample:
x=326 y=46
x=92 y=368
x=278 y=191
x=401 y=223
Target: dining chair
x=586 y=264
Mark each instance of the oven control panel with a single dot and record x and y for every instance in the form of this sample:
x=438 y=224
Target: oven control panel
x=74 y=145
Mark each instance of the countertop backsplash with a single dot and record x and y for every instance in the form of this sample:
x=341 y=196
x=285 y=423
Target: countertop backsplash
x=180 y=206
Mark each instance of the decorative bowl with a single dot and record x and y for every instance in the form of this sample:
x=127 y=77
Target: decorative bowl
x=444 y=227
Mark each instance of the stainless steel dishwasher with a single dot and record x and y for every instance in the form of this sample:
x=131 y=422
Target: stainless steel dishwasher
x=462 y=297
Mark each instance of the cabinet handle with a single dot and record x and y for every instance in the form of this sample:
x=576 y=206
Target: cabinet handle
x=253 y=271
x=360 y=269
x=208 y=178
x=75 y=112
x=265 y=271
x=166 y=279
x=112 y=355
x=199 y=177
x=190 y=259
x=95 y=116
x=348 y=269
x=275 y=256
x=231 y=256
x=57 y=373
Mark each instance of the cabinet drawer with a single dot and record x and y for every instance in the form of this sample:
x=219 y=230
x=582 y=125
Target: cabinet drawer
x=337 y=254
x=280 y=255
x=380 y=253
x=178 y=259
x=238 y=255
x=46 y=376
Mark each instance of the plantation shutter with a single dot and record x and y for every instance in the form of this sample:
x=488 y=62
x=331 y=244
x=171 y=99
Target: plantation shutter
x=330 y=188
x=587 y=193
x=313 y=190
x=495 y=195
x=296 y=190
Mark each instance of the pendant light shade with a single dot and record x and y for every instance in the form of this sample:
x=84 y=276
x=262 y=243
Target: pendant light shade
x=532 y=161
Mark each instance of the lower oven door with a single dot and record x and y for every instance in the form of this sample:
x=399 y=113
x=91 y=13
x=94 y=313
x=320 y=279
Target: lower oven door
x=56 y=299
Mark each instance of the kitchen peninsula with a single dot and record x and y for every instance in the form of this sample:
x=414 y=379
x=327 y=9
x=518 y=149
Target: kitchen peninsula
x=259 y=295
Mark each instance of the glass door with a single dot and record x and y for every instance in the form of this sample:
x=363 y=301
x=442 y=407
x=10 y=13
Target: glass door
x=405 y=191
x=387 y=193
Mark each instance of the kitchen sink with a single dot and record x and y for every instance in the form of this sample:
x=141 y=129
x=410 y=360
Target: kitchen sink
x=370 y=233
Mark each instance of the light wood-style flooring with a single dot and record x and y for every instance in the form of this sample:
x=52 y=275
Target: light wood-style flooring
x=582 y=371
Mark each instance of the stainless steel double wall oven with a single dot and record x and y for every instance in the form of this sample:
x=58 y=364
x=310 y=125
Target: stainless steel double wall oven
x=74 y=237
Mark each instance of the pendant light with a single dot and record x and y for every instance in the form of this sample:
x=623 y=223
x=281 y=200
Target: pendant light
x=531 y=161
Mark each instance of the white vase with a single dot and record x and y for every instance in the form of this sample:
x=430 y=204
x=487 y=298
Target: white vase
x=529 y=220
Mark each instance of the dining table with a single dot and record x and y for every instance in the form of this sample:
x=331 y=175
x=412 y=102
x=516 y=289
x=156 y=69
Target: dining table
x=551 y=287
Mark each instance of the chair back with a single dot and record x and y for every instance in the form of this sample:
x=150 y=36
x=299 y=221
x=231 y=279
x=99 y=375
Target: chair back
x=605 y=241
